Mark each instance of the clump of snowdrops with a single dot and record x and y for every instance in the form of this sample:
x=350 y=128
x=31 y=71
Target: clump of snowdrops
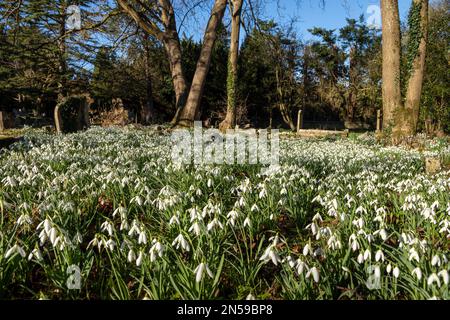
x=336 y=220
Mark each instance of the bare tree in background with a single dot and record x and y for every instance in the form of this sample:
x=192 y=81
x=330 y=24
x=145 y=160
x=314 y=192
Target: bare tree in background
x=158 y=19
x=230 y=119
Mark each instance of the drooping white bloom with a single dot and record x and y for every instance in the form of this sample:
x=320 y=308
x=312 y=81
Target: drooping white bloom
x=290 y=261
x=436 y=260
x=36 y=253
x=418 y=273
x=110 y=245
x=367 y=255
x=396 y=272
x=315 y=273
x=200 y=272
x=389 y=268
x=24 y=219
x=413 y=255
x=174 y=220
x=301 y=266
x=195 y=228
x=432 y=279
x=250 y=297
x=379 y=256
x=360 y=258
x=156 y=250
x=181 y=241
x=108 y=227
x=15 y=249
x=270 y=254
x=444 y=275
x=131 y=256
x=139 y=259
x=247 y=222
x=142 y=237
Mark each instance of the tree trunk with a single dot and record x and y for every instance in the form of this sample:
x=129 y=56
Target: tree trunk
x=148 y=112
x=58 y=119
x=62 y=68
x=188 y=114
x=352 y=95
x=392 y=99
x=408 y=124
x=230 y=119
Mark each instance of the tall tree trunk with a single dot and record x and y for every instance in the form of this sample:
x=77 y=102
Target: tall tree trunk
x=352 y=95
x=62 y=66
x=408 y=119
x=148 y=111
x=189 y=112
x=230 y=119
x=392 y=99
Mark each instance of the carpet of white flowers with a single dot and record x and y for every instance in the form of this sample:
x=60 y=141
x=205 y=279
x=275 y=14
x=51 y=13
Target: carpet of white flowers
x=337 y=220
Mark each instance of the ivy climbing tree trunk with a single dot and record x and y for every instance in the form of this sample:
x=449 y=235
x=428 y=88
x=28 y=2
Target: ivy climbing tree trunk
x=417 y=47
x=403 y=117
x=230 y=119
x=189 y=113
x=392 y=98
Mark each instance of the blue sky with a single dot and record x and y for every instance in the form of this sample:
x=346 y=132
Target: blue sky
x=309 y=13
x=331 y=16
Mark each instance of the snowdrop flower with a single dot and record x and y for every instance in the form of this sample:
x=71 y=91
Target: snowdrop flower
x=156 y=250
x=290 y=261
x=444 y=275
x=53 y=235
x=389 y=268
x=418 y=273
x=36 y=253
x=301 y=266
x=270 y=254
x=15 y=249
x=254 y=208
x=263 y=193
x=315 y=273
x=396 y=272
x=379 y=256
x=142 y=237
x=139 y=259
x=353 y=242
x=174 y=220
x=432 y=279
x=110 y=244
x=24 y=219
x=121 y=211
x=247 y=222
x=367 y=255
x=42 y=237
x=195 y=228
x=232 y=216
x=250 y=297
x=134 y=229
x=377 y=272
x=413 y=255
x=436 y=261
x=360 y=258
x=213 y=224
x=131 y=256
x=107 y=226
x=180 y=241
x=200 y=272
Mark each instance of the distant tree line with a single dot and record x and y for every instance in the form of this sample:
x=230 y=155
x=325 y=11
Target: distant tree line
x=132 y=50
